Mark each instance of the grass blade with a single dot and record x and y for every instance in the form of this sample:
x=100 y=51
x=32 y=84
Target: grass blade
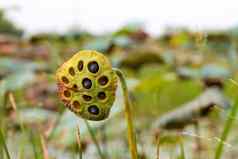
x=227 y=129
x=51 y=134
x=36 y=144
x=3 y=143
x=94 y=139
x=182 y=154
x=1 y=152
x=79 y=143
x=44 y=147
x=158 y=148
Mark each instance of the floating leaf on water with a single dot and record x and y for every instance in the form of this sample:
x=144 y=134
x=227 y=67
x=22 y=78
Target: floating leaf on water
x=168 y=57
x=191 y=111
x=158 y=93
x=14 y=65
x=100 y=44
x=214 y=71
x=139 y=57
x=122 y=41
x=35 y=115
x=17 y=80
x=185 y=72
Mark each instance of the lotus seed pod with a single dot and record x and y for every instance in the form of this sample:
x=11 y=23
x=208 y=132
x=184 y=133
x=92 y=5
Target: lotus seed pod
x=87 y=85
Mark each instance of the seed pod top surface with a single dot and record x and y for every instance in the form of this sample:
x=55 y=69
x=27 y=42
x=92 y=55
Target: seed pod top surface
x=87 y=85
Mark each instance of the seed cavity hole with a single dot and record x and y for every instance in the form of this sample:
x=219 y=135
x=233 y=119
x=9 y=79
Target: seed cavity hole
x=71 y=71
x=76 y=104
x=87 y=83
x=80 y=65
x=93 y=67
x=87 y=97
x=102 y=95
x=75 y=86
x=65 y=80
x=67 y=93
x=93 y=109
x=103 y=80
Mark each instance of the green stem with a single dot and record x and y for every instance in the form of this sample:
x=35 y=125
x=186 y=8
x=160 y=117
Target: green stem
x=1 y=152
x=94 y=139
x=34 y=142
x=227 y=128
x=4 y=145
x=128 y=116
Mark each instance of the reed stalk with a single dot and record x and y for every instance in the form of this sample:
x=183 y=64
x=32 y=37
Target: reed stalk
x=128 y=116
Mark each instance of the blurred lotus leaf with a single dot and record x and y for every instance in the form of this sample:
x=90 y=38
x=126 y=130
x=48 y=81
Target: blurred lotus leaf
x=145 y=54
x=104 y=44
x=181 y=39
x=134 y=31
x=215 y=71
x=13 y=65
x=188 y=73
x=122 y=41
x=168 y=57
x=100 y=44
x=207 y=71
x=35 y=115
x=21 y=73
x=193 y=110
x=15 y=81
x=161 y=93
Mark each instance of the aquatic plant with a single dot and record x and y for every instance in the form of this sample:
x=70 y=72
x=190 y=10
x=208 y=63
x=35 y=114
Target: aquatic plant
x=87 y=85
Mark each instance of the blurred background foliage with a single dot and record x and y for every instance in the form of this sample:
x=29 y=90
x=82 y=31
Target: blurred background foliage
x=8 y=27
x=163 y=73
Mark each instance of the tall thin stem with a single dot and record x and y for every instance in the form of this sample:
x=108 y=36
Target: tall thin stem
x=228 y=125
x=100 y=153
x=79 y=143
x=128 y=116
x=158 y=147
x=4 y=145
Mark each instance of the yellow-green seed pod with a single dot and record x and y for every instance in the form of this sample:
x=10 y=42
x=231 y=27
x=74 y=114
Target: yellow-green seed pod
x=87 y=85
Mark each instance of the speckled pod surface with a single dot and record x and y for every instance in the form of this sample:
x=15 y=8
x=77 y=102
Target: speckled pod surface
x=87 y=85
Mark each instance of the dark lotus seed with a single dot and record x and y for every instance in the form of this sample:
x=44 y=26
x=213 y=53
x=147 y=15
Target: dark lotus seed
x=76 y=104
x=101 y=95
x=71 y=71
x=65 y=80
x=67 y=93
x=87 y=83
x=75 y=86
x=93 y=109
x=87 y=97
x=93 y=67
x=80 y=65
x=103 y=80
